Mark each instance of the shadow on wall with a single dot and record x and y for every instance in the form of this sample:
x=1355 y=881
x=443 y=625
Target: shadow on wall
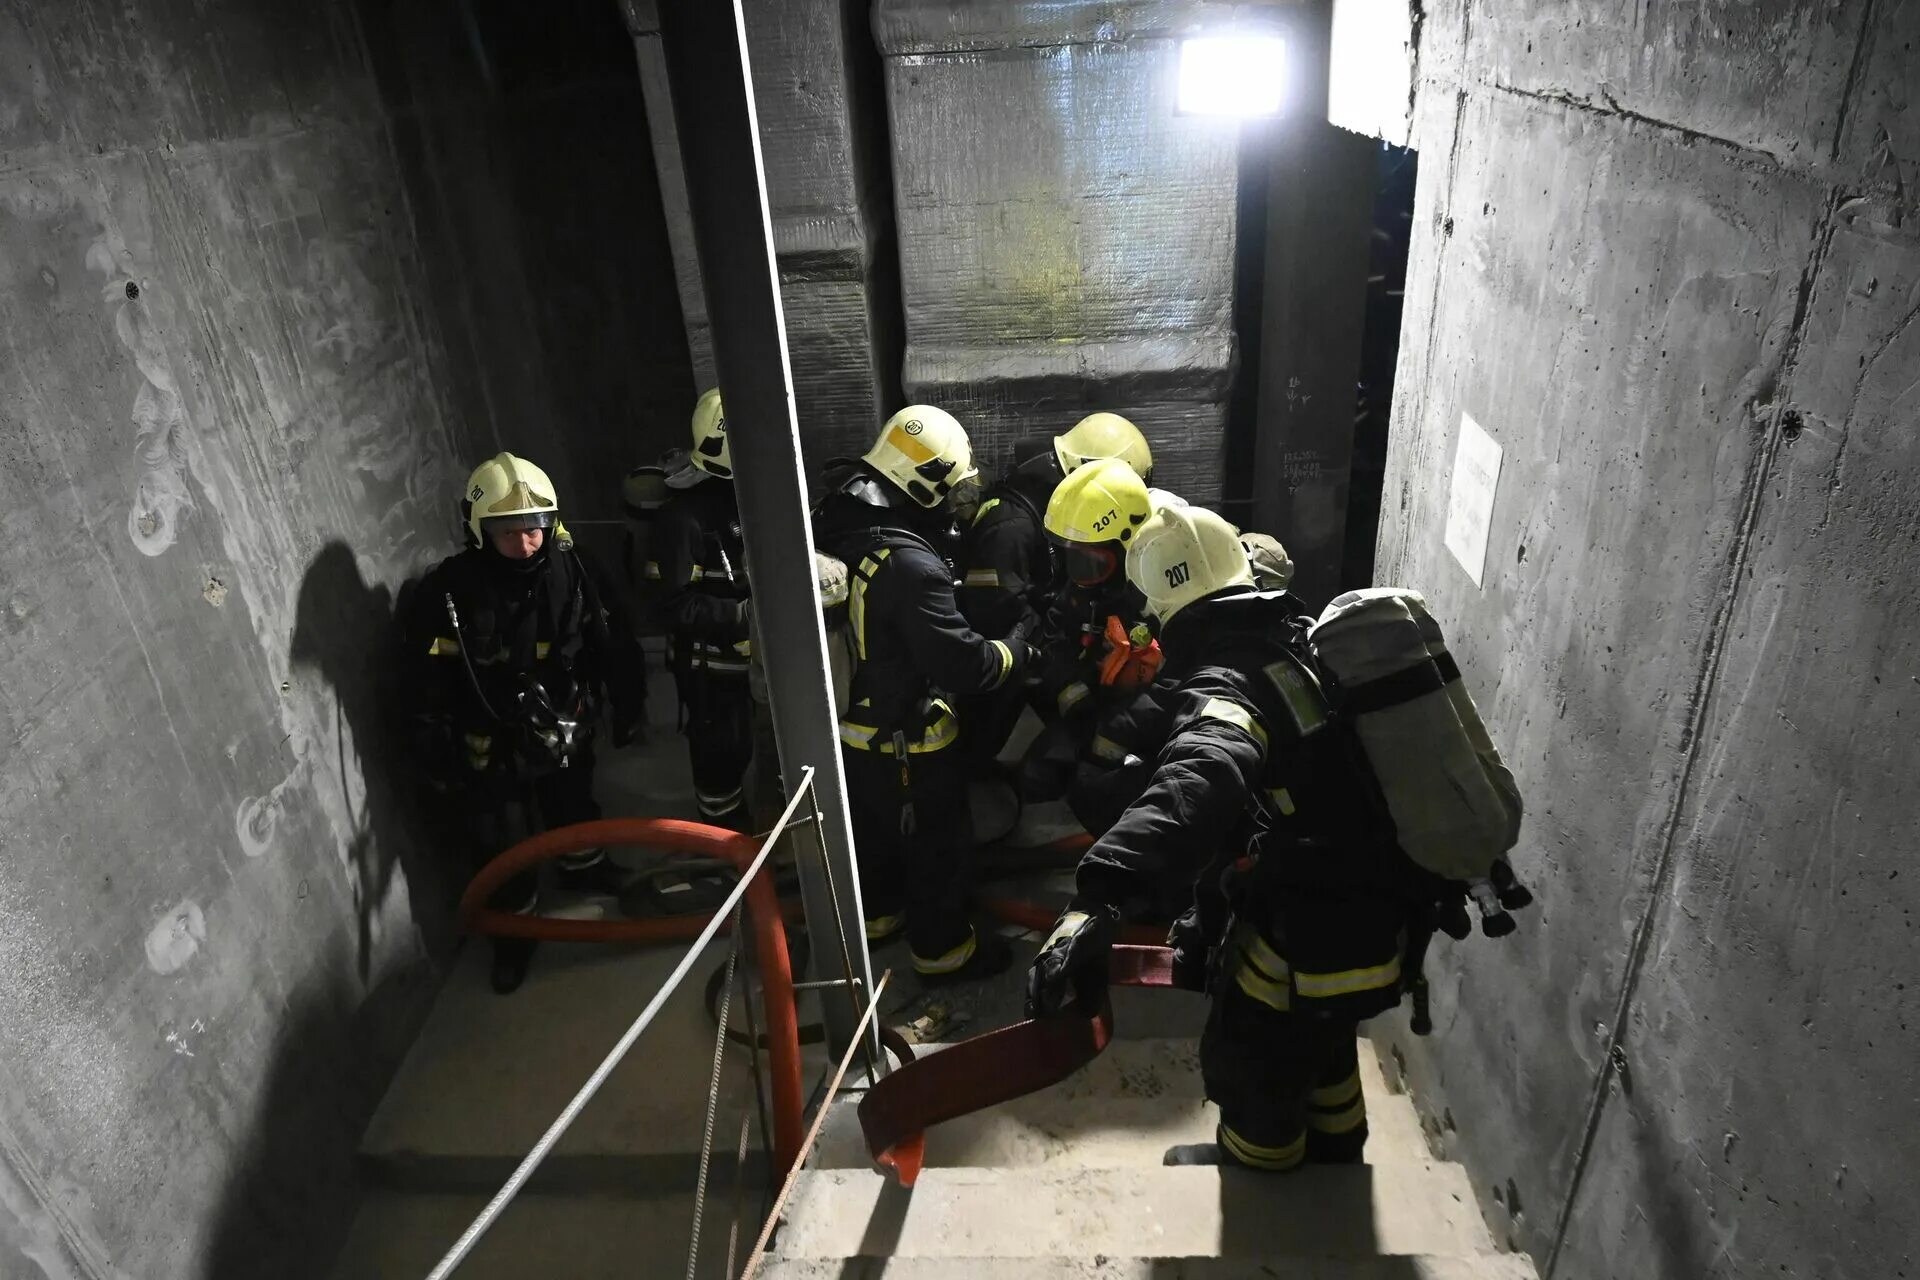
x=291 y=1195
x=345 y=629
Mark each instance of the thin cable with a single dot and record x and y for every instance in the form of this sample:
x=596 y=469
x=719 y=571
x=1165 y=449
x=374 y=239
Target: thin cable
x=713 y=1099
x=819 y=1118
x=515 y=1181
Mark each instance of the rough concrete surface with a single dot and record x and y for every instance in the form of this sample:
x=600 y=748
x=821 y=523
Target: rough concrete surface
x=1662 y=258
x=1333 y=1211
x=225 y=450
x=231 y=433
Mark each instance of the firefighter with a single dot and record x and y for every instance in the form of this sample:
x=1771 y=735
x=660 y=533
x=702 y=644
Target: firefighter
x=513 y=651
x=1011 y=577
x=1096 y=648
x=1299 y=942
x=885 y=516
x=699 y=562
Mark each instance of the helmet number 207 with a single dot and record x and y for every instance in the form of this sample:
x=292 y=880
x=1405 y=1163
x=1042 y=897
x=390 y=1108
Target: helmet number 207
x=1177 y=574
x=1104 y=521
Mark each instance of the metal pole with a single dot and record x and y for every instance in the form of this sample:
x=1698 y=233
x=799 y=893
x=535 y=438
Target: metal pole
x=707 y=66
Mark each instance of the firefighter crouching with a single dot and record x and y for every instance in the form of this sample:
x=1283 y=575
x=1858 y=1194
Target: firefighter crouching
x=1097 y=651
x=1011 y=577
x=885 y=517
x=698 y=561
x=511 y=652
x=1295 y=948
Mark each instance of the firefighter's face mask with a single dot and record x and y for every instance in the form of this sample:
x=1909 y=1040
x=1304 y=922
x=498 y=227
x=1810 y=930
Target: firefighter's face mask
x=963 y=500
x=1091 y=564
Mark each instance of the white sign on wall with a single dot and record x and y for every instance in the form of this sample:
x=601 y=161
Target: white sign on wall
x=1476 y=474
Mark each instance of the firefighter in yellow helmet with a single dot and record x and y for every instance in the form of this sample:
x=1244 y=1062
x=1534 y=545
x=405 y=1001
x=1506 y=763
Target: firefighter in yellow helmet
x=1011 y=575
x=887 y=516
x=1319 y=923
x=699 y=562
x=512 y=655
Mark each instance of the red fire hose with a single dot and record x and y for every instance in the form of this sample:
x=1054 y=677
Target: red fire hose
x=667 y=835
x=994 y=1068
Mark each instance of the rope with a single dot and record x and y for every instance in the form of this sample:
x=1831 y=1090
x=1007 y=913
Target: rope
x=713 y=1100
x=819 y=1118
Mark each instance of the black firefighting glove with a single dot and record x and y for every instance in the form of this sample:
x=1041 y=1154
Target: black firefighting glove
x=1071 y=968
x=1192 y=943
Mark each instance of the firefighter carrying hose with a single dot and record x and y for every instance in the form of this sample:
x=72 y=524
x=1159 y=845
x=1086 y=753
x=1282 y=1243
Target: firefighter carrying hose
x=886 y=516
x=1295 y=945
x=699 y=562
x=513 y=651
x=1011 y=575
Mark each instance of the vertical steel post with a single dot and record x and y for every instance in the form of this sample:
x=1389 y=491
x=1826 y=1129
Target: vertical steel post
x=707 y=66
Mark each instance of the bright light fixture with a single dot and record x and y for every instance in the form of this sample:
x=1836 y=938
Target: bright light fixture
x=1241 y=75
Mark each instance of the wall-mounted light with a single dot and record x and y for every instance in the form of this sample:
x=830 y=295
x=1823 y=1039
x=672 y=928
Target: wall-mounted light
x=1234 y=75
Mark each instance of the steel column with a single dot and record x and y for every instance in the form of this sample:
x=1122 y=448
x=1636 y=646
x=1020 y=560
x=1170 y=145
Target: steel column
x=708 y=69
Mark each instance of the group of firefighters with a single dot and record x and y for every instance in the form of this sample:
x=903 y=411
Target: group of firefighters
x=1183 y=715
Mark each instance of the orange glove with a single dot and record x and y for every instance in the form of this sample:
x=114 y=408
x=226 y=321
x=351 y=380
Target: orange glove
x=1133 y=657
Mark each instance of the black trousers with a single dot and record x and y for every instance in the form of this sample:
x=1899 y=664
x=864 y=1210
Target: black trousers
x=1287 y=1084
x=497 y=813
x=719 y=742
x=914 y=842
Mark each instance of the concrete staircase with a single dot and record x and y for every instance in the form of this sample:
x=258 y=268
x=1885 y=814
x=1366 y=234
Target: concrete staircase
x=1066 y=1183
x=1069 y=1183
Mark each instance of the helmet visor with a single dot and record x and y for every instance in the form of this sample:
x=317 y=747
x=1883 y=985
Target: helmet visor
x=1091 y=563
x=519 y=523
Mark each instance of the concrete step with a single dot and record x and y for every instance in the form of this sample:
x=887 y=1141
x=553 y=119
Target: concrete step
x=488 y=1073
x=1352 y=1211
x=1417 y=1267
x=1124 y=1108
x=400 y=1236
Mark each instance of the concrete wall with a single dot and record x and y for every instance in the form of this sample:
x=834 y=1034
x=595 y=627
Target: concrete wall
x=229 y=432
x=224 y=449
x=1667 y=257
x=816 y=95
x=523 y=136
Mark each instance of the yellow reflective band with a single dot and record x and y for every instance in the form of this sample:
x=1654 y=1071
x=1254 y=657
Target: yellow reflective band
x=882 y=926
x=985 y=507
x=1282 y=800
x=917 y=451
x=743 y=647
x=945 y=963
x=1236 y=715
x=858 y=735
x=857 y=605
x=983 y=578
x=1071 y=696
x=1275 y=995
x=652 y=571
x=1344 y=1120
x=942 y=733
x=1252 y=1153
x=1320 y=986
x=1006 y=662
x=1261 y=953
x=1105 y=748
x=541 y=648
x=1337 y=1095
x=443 y=646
